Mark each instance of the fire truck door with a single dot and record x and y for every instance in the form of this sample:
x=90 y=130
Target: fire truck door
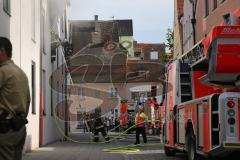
x=200 y=113
x=181 y=126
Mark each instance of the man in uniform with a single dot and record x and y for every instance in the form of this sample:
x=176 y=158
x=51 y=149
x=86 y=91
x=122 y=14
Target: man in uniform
x=140 y=120
x=14 y=104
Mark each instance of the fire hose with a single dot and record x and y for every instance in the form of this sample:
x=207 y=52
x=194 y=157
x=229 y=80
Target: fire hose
x=122 y=149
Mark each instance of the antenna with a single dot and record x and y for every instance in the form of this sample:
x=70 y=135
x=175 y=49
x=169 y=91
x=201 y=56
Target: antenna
x=112 y=17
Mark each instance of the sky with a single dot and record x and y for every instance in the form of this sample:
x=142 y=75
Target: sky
x=151 y=18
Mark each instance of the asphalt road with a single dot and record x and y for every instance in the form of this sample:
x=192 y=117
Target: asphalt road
x=80 y=150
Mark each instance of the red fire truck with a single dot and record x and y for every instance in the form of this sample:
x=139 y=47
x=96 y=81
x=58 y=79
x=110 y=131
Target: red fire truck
x=202 y=104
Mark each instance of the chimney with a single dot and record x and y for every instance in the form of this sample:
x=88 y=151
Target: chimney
x=96 y=35
x=96 y=17
x=96 y=23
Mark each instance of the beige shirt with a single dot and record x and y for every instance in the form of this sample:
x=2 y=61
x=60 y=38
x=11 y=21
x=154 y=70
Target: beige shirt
x=14 y=89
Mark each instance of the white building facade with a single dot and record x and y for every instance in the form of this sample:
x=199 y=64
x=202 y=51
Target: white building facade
x=188 y=39
x=5 y=19
x=29 y=24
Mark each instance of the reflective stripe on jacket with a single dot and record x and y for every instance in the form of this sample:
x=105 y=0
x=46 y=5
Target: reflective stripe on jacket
x=140 y=119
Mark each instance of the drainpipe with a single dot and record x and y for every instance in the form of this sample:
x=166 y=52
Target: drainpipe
x=181 y=33
x=41 y=84
x=193 y=20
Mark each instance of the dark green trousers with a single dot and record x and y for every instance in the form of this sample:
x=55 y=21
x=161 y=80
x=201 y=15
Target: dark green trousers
x=11 y=144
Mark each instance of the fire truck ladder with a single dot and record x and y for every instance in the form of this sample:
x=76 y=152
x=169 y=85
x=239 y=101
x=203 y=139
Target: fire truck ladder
x=215 y=121
x=195 y=59
x=185 y=82
x=188 y=61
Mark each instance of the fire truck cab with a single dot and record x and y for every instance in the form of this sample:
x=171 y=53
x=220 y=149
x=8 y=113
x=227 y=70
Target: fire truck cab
x=202 y=99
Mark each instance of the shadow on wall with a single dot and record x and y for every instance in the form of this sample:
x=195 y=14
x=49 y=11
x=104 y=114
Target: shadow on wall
x=28 y=144
x=5 y=20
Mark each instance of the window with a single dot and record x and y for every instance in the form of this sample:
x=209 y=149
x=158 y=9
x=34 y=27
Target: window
x=184 y=32
x=52 y=83
x=154 y=91
x=65 y=14
x=62 y=24
x=154 y=55
x=97 y=94
x=135 y=96
x=7 y=6
x=142 y=97
x=113 y=92
x=33 y=10
x=33 y=88
x=58 y=100
x=137 y=54
x=189 y=26
x=227 y=19
x=44 y=91
x=149 y=94
x=206 y=8
x=57 y=57
x=81 y=93
x=214 y=4
x=63 y=66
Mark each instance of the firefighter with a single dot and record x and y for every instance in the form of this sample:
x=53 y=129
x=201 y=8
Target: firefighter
x=140 y=121
x=99 y=127
x=154 y=108
x=14 y=104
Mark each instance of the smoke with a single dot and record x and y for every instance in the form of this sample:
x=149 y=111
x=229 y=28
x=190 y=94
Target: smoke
x=56 y=7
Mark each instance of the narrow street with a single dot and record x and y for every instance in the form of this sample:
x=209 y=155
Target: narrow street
x=78 y=148
x=77 y=151
x=159 y=79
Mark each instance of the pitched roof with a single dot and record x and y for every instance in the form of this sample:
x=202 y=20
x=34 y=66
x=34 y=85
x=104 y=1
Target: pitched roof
x=88 y=31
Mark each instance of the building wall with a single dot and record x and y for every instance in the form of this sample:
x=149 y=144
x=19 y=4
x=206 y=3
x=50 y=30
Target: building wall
x=46 y=71
x=25 y=29
x=5 y=21
x=143 y=88
x=73 y=108
x=206 y=23
x=188 y=41
x=26 y=49
x=124 y=91
x=55 y=23
x=60 y=26
x=78 y=36
x=178 y=13
x=147 y=48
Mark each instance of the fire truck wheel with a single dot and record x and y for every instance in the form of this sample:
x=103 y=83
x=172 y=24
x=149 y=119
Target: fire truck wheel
x=169 y=151
x=191 y=146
